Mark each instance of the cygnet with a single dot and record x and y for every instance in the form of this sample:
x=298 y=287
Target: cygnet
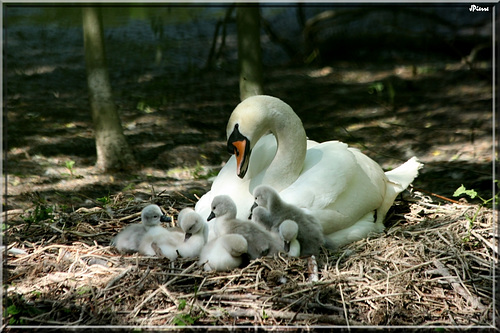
x=223 y=253
x=310 y=235
x=260 y=241
x=128 y=239
x=288 y=231
x=195 y=233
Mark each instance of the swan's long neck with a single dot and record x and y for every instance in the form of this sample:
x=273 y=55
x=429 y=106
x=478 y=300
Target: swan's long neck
x=292 y=145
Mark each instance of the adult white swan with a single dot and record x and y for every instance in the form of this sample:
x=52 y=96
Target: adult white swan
x=347 y=191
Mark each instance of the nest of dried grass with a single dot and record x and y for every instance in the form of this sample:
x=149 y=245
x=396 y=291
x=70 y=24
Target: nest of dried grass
x=433 y=266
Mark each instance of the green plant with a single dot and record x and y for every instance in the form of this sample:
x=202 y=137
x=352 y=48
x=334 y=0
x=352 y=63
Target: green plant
x=16 y=307
x=376 y=87
x=13 y=311
x=41 y=212
x=83 y=290
x=36 y=293
x=104 y=200
x=69 y=165
x=200 y=172
x=379 y=87
x=184 y=319
x=473 y=194
x=144 y=107
x=462 y=190
x=264 y=314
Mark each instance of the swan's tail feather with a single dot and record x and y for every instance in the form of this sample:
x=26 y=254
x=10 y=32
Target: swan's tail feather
x=399 y=179
x=404 y=174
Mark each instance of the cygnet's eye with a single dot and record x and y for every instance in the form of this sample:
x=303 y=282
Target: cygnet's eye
x=155 y=216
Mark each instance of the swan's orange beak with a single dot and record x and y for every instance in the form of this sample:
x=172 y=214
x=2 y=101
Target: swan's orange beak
x=239 y=145
x=239 y=152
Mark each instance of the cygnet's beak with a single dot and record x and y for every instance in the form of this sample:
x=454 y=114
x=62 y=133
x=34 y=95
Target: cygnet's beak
x=211 y=216
x=251 y=210
x=287 y=246
x=187 y=236
x=165 y=218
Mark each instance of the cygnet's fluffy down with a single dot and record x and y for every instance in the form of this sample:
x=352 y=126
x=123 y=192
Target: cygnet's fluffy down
x=310 y=235
x=223 y=253
x=195 y=233
x=260 y=241
x=166 y=240
x=129 y=239
x=288 y=231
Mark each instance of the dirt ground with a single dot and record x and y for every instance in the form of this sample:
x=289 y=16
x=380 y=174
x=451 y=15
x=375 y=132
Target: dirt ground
x=436 y=109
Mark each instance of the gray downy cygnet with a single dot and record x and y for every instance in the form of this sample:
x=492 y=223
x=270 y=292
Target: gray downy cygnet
x=288 y=231
x=223 y=253
x=128 y=239
x=260 y=241
x=310 y=235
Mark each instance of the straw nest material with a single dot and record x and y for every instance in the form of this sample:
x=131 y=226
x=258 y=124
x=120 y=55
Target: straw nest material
x=433 y=266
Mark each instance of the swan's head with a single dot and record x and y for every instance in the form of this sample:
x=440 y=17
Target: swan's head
x=251 y=119
x=288 y=231
x=222 y=205
x=191 y=223
x=152 y=215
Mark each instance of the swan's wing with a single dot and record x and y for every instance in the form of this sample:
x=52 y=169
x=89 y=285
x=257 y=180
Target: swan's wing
x=328 y=168
x=338 y=186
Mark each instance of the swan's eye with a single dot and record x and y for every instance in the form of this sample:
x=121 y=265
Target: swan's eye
x=236 y=152
x=155 y=216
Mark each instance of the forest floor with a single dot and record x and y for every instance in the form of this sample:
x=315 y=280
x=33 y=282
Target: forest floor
x=432 y=266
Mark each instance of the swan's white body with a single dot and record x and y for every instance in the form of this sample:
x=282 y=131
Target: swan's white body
x=344 y=189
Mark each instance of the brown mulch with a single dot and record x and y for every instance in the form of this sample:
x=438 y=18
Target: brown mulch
x=433 y=267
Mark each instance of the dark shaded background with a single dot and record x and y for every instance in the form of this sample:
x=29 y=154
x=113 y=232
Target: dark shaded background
x=394 y=81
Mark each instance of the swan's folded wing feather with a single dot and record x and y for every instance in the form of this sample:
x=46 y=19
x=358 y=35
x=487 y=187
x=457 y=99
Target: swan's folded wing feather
x=326 y=174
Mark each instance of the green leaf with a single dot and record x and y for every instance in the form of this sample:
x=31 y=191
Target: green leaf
x=13 y=310
x=182 y=304
x=462 y=190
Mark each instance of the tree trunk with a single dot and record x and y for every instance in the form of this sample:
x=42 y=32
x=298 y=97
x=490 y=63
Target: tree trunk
x=249 y=50
x=113 y=151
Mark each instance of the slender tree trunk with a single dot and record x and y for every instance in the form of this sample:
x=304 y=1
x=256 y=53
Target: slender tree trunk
x=249 y=50
x=113 y=151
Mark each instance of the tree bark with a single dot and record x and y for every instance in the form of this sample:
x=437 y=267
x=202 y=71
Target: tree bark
x=249 y=50
x=113 y=151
